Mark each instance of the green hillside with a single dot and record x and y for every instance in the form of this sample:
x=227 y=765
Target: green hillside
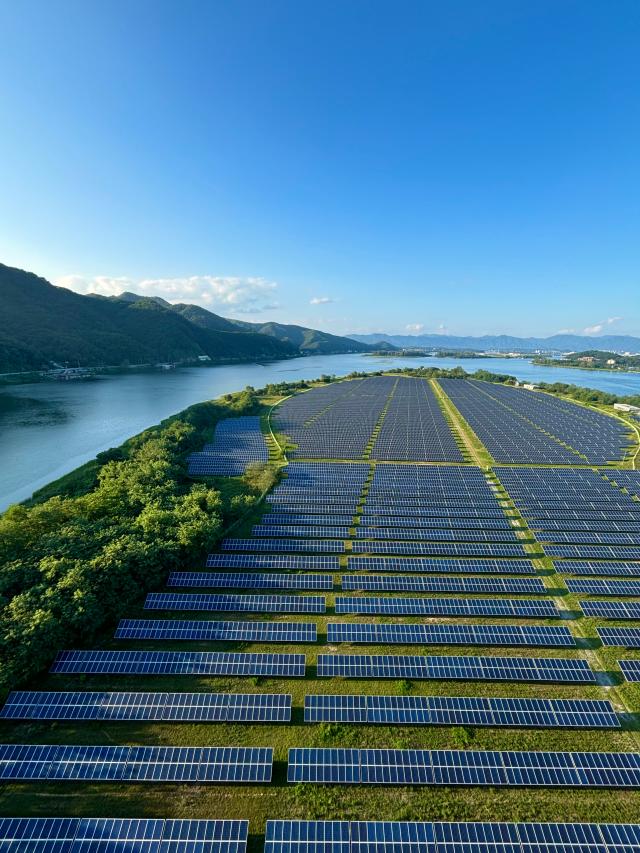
x=42 y=325
x=306 y=340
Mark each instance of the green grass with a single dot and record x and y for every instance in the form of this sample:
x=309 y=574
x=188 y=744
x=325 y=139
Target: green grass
x=476 y=451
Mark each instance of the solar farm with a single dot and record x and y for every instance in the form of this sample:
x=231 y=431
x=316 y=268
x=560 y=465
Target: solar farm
x=426 y=637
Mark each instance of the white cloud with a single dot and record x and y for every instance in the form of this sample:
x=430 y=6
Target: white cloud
x=442 y=329
x=414 y=328
x=598 y=327
x=566 y=332
x=231 y=293
x=321 y=300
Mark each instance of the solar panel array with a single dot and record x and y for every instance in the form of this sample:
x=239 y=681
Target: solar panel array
x=414 y=428
x=588 y=567
x=438 y=633
x=629 y=480
x=628 y=638
x=578 y=538
x=126 y=706
x=211 y=630
x=518 y=425
x=461 y=711
x=447 y=606
x=122 y=835
x=223 y=764
x=231 y=580
x=504 y=431
x=442 y=566
x=630 y=669
x=282 y=562
x=236 y=443
x=604 y=587
x=304 y=836
x=395 y=583
x=334 y=421
x=318 y=546
x=464 y=767
x=179 y=663
x=457 y=667
x=611 y=609
x=233 y=603
x=409 y=523
x=436 y=549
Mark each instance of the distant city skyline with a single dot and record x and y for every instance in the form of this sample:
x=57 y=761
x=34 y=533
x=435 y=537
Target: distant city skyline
x=418 y=167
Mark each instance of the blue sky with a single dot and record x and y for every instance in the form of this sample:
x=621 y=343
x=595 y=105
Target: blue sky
x=359 y=166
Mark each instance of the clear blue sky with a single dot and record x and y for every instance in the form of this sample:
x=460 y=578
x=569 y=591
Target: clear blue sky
x=469 y=166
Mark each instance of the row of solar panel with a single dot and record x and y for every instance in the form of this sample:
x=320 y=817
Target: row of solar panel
x=224 y=764
x=37 y=762
x=373 y=546
x=405 y=710
x=179 y=663
x=328 y=665
x=231 y=580
x=399 y=606
x=122 y=835
x=301 y=562
x=460 y=710
x=464 y=767
x=456 y=667
x=305 y=836
x=175 y=707
x=347 y=632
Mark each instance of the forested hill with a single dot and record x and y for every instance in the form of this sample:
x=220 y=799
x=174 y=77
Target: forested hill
x=42 y=325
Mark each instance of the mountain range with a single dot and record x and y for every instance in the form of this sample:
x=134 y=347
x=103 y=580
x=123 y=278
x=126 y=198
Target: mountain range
x=42 y=325
x=507 y=343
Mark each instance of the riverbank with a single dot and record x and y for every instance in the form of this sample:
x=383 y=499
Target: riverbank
x=589 y=368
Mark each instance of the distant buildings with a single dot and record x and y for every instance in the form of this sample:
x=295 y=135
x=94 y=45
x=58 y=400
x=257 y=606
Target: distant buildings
x=626 y=407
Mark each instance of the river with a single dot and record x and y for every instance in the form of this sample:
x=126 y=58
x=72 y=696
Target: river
x=48 y=429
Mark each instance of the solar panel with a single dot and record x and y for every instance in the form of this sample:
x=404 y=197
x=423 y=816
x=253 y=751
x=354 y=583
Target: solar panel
x=237 y=442
x=464 y=767
x=461 y=711
x=287 y=836
x=587 y=567
x=204 y=836
x=593 y=552
x=279 y=561
x=458 y=667
x=323 y=546
x=33 y=762
x=231 y=603
x=179 y=663
x=447 y=606
x=457 y=566
x=211 y=630
x=431 y=534
x=611 y=609
x=251 y=580
x=401 y=583
x=117 y=706
x=630 y=669
x=628 y=638
x=31 y=834
x=477 y=635
x=603 y=587
x=445 y=549
x=300 y=530
x=123 y=835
